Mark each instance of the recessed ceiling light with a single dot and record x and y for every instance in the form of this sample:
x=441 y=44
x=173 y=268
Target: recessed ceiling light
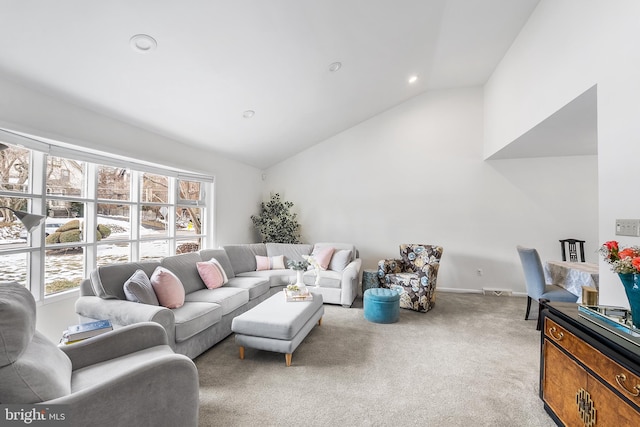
x=248 y=114
x=143 y=43
x=335 y=66
x=413 y=79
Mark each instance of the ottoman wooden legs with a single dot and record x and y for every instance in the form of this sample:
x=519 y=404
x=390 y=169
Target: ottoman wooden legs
x=287 y=356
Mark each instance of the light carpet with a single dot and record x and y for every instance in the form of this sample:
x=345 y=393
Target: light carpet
x=471 y=361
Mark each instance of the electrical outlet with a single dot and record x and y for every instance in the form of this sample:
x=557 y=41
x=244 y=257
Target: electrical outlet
x=628 y=227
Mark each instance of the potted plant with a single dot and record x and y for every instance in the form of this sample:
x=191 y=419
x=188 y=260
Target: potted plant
x=276 y=223
x=299 y=267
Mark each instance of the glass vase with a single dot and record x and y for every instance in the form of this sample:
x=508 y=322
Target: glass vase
x=631 y=283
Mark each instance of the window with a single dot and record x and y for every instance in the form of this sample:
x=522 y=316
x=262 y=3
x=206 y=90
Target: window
x=136 y=211
x=113 y=183
x=14 y=170
x=189 y=214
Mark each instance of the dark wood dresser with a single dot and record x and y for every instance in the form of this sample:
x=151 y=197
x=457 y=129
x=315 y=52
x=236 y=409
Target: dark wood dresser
x=589 y=375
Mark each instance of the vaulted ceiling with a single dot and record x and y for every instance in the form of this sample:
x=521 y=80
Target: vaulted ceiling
x=214 y=61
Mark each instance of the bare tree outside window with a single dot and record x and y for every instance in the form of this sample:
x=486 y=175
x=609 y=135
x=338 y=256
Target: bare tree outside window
x=192 y=190
x=14 y=175
x=113 y=183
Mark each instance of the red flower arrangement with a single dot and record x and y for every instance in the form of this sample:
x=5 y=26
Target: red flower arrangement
x=622 y=261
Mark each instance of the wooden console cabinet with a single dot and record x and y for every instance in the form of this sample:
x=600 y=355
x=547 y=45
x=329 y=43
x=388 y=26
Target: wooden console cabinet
x=589 y=375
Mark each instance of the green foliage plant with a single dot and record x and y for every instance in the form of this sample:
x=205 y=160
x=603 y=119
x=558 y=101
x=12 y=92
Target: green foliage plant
x=53 y=238
x=276 y=223
x=70 y=232
x=104 y=231
x=70 y=236
x=297 y=265
x=74 y=224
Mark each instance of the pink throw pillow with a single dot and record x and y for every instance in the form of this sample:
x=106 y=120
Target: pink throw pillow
x=212 y=274
x=262 y=263
x=323 y=257
x=168 y=288
x=269 y=263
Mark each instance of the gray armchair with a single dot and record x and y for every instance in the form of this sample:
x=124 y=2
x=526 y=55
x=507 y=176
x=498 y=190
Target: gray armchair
x=127 y=377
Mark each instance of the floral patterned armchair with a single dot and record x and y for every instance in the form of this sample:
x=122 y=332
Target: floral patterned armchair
x=413 y=276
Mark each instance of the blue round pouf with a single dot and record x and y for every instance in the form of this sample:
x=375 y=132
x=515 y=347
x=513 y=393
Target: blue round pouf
x=381 y=305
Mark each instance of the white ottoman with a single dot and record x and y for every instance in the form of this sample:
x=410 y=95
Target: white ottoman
x=277 y=325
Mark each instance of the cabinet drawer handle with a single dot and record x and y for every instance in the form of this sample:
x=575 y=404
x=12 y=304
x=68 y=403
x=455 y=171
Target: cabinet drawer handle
x=621 y=379
x=553 y=332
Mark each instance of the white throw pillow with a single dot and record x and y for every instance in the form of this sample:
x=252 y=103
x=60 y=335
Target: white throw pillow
x=340 y=260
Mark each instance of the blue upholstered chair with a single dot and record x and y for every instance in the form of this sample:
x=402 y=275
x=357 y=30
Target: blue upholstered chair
x=535 y=283
x=126 y=377
x=414 y=275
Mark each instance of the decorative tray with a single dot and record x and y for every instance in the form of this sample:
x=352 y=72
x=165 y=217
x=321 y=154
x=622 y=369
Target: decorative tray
x=613 y=319
x=300 y=295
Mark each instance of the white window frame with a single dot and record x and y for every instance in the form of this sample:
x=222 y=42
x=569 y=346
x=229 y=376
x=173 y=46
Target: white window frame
x=35 y=249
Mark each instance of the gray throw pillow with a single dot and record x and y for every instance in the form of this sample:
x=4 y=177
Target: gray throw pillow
x=138 y=289
x=340 y=260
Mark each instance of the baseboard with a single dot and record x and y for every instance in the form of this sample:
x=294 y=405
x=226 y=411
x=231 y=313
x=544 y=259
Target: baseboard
x=460 y=291
x=486 y=291
x=505 y=292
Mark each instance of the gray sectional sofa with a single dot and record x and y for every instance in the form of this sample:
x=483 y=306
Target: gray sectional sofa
x=206 y=316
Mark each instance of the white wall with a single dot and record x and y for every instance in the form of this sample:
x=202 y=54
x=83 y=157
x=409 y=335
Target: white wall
x=529 y=85
x=416 y=174
x=238 y=186
x=566 y=47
